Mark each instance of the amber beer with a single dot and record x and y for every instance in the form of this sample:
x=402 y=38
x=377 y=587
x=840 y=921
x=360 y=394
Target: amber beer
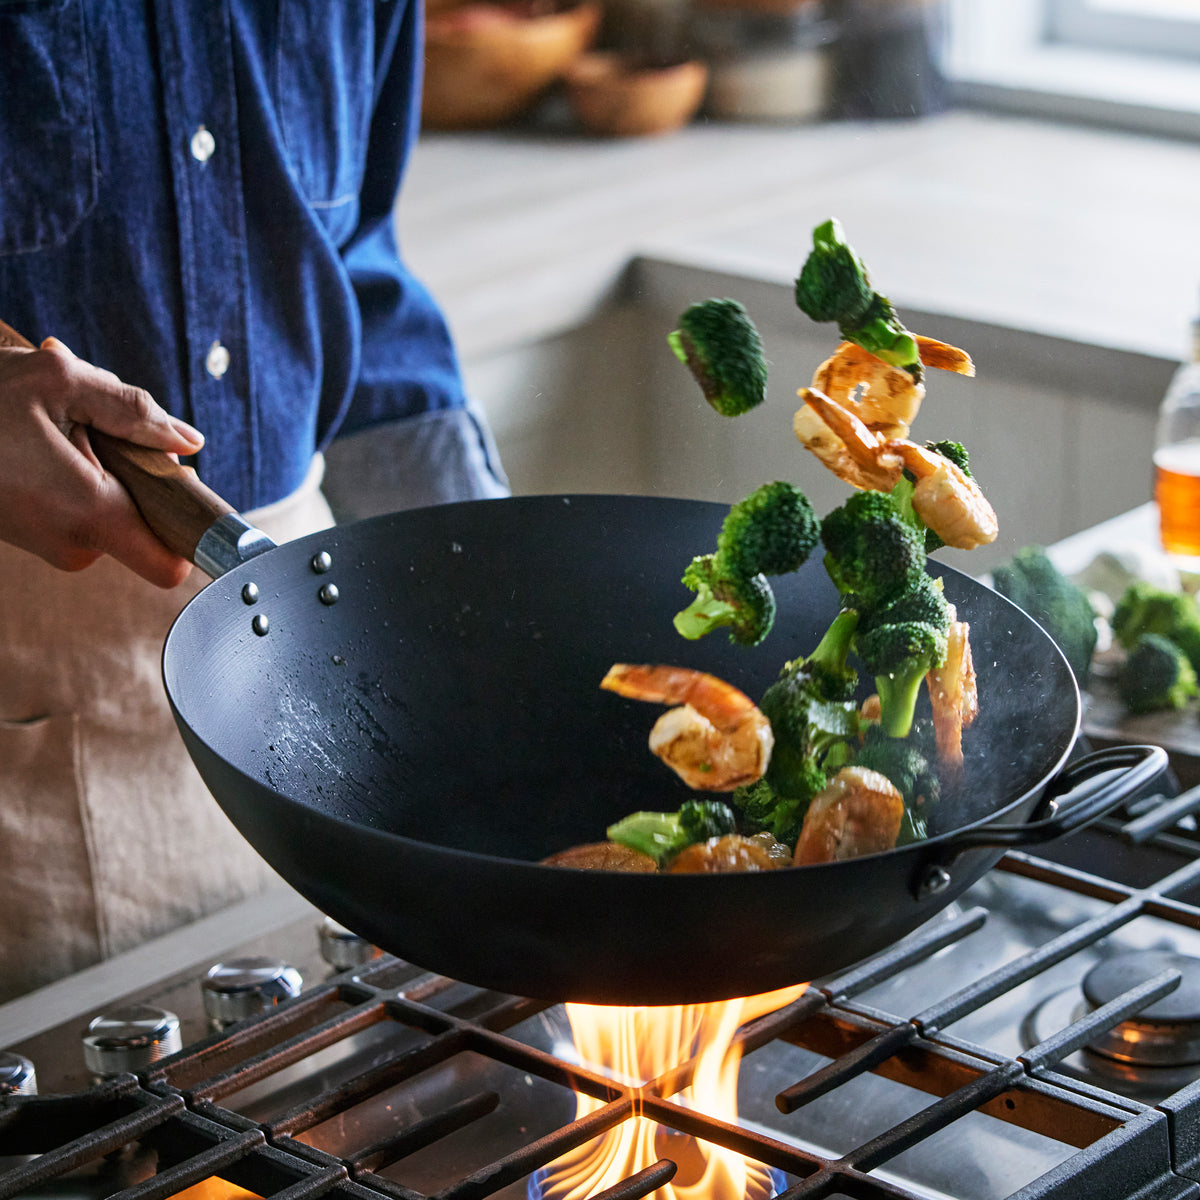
x=1177 y=490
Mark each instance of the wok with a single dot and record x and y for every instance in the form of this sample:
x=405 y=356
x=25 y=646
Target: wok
x=402 y=716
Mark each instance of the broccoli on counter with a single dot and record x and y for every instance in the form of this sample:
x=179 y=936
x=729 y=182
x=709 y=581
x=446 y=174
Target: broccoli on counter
x=719 y=344
x=1145 y=608
x=662 y=835
x=833 y=285
x=1033 y=583
x=1156 y=676
x=812 y=717
x=771 y=532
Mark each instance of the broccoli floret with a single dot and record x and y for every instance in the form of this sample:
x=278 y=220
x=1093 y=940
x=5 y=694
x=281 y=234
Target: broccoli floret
x=908 y=763
x=811 y=715
x=719 y=344
x=662 y=835
x=872 y=551
x=899 y=652
x=760 y=809
x=833 y=285
x=1146 y=608
x=1033 y=583
x=1156 y=676
x=771 y=532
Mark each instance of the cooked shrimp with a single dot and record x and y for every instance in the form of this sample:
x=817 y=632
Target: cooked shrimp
x=953 y=693
x=845 y=443
x=733 y=852
x=886 y=398
x=858 y=812
x=946 y=498
x=715 y=740
x=603 y=856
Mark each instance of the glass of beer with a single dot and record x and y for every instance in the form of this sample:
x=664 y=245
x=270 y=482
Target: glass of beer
x=1177 y=466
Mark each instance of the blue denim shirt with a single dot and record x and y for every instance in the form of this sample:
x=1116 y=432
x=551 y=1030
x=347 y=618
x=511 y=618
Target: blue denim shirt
x=197 y=195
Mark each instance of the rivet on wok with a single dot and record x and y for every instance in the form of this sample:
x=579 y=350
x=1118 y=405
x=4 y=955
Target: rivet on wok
x=321 y=562
x=260 y=624
x=329 y=594
x=250 y=593
x=936 y=880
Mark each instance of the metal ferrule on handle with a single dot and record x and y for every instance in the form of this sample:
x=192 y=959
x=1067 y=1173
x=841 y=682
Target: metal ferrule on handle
x=229 y=542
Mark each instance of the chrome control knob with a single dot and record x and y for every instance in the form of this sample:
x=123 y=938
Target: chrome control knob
x=341 y=948
x=130 y=1039
x=244 y=987
x=17 y=1076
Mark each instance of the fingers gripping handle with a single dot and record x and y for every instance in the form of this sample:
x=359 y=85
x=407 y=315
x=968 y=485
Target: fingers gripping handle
x=185 y=514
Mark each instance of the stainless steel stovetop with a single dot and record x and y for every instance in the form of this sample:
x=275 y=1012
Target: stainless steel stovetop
x=954 y=1065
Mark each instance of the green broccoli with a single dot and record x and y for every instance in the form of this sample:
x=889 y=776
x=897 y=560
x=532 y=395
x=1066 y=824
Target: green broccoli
x=1147 y=608
x=873 y=552
x=761 y=809
x=908 y=763
x=1156 y=676
x=771 y=532
x=1033 y=583
x=812 y=715
x=899 y=643
x=833 y=285
x=718 y=343
x=662 y=835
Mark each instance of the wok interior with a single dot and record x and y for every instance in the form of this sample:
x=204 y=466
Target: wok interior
x=451 y=694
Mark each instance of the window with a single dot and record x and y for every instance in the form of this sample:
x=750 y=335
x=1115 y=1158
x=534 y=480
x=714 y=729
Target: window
x=1128 y=63
x=1168 y=27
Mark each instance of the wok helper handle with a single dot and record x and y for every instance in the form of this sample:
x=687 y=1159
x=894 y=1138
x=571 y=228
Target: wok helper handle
x=185 y=514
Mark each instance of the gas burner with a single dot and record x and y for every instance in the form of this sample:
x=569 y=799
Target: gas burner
x=1149 y=1056
x=1166 y=1033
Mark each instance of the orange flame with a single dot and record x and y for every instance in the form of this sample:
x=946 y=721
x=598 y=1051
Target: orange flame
x=636 y=1045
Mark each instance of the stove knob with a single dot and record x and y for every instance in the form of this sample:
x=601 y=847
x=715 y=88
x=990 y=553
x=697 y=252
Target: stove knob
x=243 y=987
x=17 y=1076
x=342 y=949
x=130 y=1039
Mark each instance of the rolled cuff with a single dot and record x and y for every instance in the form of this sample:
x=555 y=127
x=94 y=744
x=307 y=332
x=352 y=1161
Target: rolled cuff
x=434 y=458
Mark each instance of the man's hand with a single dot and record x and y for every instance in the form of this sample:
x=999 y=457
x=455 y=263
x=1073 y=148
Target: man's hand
x=56 y=500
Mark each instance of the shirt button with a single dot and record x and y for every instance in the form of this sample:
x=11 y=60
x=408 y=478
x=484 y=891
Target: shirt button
x=203 y=144
x=216 y=361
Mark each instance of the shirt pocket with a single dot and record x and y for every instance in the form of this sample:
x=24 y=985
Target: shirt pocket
x=47 y=143
x=326 y=83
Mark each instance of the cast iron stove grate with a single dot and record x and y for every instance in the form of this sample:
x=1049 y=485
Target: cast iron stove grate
x=186 y=1119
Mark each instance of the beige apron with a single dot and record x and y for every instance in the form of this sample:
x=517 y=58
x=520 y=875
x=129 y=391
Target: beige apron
x=107 y=835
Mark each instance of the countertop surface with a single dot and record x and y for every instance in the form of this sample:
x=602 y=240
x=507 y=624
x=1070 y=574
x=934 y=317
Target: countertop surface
x=1079 y=233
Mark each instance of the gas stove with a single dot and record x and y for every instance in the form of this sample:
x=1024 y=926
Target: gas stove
x=1040 y=1038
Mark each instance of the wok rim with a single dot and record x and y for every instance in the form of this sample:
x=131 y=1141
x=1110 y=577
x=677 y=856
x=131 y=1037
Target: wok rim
x=386 y=837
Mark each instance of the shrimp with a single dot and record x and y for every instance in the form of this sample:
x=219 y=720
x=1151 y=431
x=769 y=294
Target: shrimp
x=715 y=740
x=945 y=497
x=733 y=852
x=953 y=693
x=886 y=398
x=845 y=443
x=857 y=812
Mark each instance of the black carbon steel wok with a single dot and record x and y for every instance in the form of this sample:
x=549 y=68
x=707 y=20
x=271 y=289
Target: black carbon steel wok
x=402 y=716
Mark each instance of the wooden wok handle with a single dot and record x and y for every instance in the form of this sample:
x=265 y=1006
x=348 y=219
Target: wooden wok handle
x=172 y=499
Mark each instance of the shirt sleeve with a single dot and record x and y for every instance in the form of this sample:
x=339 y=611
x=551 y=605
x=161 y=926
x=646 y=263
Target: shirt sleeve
x=408 y=363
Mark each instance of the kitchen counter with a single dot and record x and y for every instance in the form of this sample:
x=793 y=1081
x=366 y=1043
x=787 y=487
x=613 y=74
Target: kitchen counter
x=1074 y=233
